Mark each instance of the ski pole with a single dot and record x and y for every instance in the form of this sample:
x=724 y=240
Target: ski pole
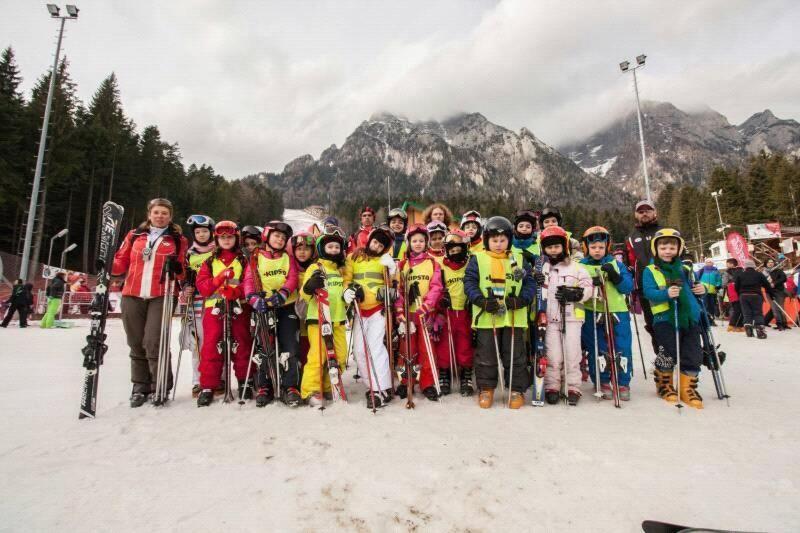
x=249 y=366
x=370 y=362
x=784 y=312
x=181 y=347
x=455 y=377
x=595 y=317
x=387 y=307
x=562 y=331
x=274 y=315
x=227 y=371
x=500 y=370
x=426 y=339
x=351 y=352
x=638 y=339
x=611 y=343
x=511 y=360
x=679 y=404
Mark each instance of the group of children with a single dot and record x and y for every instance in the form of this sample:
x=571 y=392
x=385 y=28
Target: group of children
x=432 y=307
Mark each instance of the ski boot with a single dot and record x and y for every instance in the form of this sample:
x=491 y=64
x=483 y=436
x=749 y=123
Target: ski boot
x=760 y=332
x=573 y=397
x=196 y=390
x=378 y=400
x=291 y=397
x=664 y=385
x=138 y=399
x=264 y=396
x=245 y=391
x=605 y=388
x=431 y=394
x=624 y=393
x=205 y=398
x=444 y=381
x=689 y=394
x=402 y=391
x=517 y=400
x=486 y=398
x=748 y=329
x=220 y=390
x=552 y=396
x=466 y=382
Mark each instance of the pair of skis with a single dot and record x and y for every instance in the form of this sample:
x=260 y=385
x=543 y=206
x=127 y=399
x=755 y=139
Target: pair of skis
x=326 y=341
x=539 y=367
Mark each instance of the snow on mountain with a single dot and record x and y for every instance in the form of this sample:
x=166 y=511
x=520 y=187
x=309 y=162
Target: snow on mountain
x=448 y=467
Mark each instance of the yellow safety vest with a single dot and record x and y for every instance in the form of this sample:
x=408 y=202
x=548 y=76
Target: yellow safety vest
x=422 y=274
x=273 y=274
x=196 y=260
x=335 y=283
x=217 y=266
x=482 y=319
x=454 y=283
x=616 y=301
x=368 y=273
x=661 y=281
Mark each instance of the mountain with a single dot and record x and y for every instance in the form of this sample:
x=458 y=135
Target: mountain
x=681 y=147
x=463 y=156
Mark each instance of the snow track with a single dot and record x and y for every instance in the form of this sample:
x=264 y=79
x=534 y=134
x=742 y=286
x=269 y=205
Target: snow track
x=437 y=468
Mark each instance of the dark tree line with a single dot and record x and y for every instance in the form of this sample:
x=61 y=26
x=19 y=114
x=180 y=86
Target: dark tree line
x=95 y=153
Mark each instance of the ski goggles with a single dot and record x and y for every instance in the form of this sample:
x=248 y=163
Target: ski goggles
x=226 y=228
x=335 y=231
x=303 y=240
x=596 y=237
x=198 y=220
x=280 y=227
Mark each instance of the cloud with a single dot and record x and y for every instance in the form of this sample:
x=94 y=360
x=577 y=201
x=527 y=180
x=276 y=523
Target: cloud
x=248 y=86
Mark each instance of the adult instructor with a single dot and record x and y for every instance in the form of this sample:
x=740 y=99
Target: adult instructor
x=639 y=256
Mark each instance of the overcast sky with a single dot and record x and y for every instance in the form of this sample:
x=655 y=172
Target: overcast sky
x=248 y=86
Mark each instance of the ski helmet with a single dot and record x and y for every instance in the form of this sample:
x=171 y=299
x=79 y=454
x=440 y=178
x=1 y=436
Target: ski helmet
x=525 y=215
x=473 y=216
x=554 y=235
x=595 y=234
x=498 y=226
x=304 y=238
x=417 y=228
x=200 y=221
x=383 y=235
x=276 y=225
x=397 y=213
x=435 y=226
x=226 y=227
x=454 y=240
x=551 y=212
x=667 y=233
x=252 y=232
x=336 y=235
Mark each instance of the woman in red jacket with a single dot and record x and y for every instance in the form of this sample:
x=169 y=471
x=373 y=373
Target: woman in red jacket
x=154 y=248
x=219 y=282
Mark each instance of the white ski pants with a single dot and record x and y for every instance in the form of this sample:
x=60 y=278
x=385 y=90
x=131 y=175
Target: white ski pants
x=375 y=326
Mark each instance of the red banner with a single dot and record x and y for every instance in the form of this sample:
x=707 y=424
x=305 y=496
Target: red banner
x=737 y=247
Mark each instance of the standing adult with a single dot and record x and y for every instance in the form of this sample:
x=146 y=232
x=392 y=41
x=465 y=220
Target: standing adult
x=20 y=302
x=55 y=292
x=359 y=239
x=711 y=279
x=639 y=256
x=735 y=322
x=777 y=297
x=749 y=284
x=148 y=253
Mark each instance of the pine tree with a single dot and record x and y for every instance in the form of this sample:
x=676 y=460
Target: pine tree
x=14 y=165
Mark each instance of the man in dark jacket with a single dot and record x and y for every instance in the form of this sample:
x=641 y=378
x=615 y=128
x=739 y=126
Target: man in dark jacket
x=639 y=256
x=748 y=286
x=21 y=301
x=777 y=297
x=55 y=291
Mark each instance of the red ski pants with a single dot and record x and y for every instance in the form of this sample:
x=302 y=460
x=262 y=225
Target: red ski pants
x=462 y=341
x=212 y=360
x=419 y=355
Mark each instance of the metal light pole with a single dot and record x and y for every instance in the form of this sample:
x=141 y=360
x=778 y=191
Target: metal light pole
x=58 y=235
x=625 y=66
x=72 y=14
x=65 y=252
x=388 y=194
x=722 y=225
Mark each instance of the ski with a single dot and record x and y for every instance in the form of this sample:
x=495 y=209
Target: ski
x=540 y=352
x=614 y=360
x=96 y=347
x=326 y=330
x=654 y=526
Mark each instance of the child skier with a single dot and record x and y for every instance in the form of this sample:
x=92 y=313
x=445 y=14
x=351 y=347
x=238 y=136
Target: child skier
x=219 y=283
x=525 y=235
x=666 y=284
x=398 y=222
x=421 y=281
x=456 y=336
x=251 y=239
x=331 y=352
x=270 y=283
x=436 y=233
x=500 y=287
x=472 y=225
x=304 y=252
x=617 y=282
x=364 y=279
x=551 y=216
x=201 y=228
x=568 y=286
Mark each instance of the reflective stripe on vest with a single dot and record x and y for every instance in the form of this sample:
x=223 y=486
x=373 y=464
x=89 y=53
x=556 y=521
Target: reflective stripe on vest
x=454 y=283
x=335 y=283
x=661 y=281
x=616 y=301
x=217 y=266
x=480 y=318
x=532 y=248
x=421 y=273
x=273 y=274
x=369 y=274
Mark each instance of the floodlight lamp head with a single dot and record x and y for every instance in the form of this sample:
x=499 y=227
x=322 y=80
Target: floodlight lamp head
x=71 y=247
x=53 y=9
x=624 y=66
x=61 y=233
x=72 y=10
x=639 y=59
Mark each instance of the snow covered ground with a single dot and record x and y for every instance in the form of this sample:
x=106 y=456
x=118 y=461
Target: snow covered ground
x=449 y=467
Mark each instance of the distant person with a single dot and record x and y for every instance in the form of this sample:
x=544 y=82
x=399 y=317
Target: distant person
x=438 y=213
x=733 y=269
x=777 y=297
x=359 y=238
x=55 y=292
x=749 y=284
x=20 y=302
x=711 y=279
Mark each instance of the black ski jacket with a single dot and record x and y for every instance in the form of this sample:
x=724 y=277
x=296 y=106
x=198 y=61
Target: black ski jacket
x=638 y=248
x=751 y=281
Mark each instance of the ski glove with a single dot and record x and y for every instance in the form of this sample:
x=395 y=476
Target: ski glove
x=401 y=329
x=515 y=302
x=539 y=277
x=529 y=257
x=173 y=267
x=314 y=283
x=435 y=328
x=388 y=262
x=612 y=273
x=597 y=281
x=258 y=304
x=445 y=302
x=220 y=278
x=566 y=294
x=229 y=292
x=490 y=305
x=276 y=300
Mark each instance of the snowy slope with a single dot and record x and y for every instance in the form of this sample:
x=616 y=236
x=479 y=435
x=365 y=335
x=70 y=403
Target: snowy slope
x=449 y=467
x=299 y=220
